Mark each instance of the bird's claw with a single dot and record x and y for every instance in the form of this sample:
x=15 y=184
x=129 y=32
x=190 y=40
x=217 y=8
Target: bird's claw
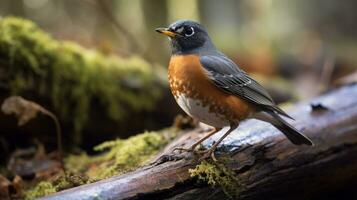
x=181 y=149
x=208 y=154
x=205 y=153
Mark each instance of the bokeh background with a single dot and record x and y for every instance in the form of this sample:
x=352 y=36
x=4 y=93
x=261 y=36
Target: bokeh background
x=297 y=49
x=264 y=36
x=100 y=69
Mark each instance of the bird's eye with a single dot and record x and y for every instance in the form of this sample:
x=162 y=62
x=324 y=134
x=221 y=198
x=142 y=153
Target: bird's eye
x=189 y=32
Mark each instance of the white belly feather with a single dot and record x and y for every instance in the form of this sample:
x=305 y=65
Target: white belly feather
x=196 y=109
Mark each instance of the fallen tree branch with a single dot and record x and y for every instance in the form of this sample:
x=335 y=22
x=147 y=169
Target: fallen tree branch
x=263 y=160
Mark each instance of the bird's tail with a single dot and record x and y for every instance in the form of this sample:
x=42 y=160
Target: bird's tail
x=289 y=131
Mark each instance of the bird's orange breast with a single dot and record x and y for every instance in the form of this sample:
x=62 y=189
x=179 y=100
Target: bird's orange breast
x=187 y=76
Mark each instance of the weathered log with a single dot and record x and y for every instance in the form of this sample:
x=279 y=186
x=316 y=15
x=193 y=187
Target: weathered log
x=265 y=163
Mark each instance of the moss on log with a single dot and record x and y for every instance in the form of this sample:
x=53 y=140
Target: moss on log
x=117 y=157
x=71 y=78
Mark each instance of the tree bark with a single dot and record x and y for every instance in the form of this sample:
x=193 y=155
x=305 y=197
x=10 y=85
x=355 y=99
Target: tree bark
x=266 y=164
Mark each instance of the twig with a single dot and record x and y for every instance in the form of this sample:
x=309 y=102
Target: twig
x=326 y=74
x=58 y=134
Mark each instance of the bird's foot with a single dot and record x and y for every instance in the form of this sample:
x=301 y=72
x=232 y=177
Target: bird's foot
x=208 y=153
x=203 y=154
x=181 y=149
x=191 y=150
x=166 y=158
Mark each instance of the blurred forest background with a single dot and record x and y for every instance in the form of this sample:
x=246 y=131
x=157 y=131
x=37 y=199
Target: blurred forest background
x=297 y=49
x=262 y=35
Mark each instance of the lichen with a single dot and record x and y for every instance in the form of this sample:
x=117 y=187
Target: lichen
x=74 y=77
x=217 y=175
x=41 y=189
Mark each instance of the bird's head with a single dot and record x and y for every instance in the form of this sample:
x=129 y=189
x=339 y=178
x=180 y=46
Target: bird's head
x=187 y=37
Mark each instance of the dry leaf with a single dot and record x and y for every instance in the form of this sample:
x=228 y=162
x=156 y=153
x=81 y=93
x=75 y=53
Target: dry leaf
x=23 y=109
x=4 y=188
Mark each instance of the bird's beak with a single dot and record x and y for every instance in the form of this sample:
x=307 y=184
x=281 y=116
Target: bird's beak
x=167 y=32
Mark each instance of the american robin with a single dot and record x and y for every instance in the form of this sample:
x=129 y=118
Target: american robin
x=209 y=86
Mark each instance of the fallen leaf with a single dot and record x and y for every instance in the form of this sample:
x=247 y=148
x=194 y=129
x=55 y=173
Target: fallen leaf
x=23 y=109
x=4 y=188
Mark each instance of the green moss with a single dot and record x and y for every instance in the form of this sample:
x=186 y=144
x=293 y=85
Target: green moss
x=217 y=175
x=69 y=180
x=79 y=163
x=119 y=155
x=62 y=182
x=42 y=189
x=74 y=77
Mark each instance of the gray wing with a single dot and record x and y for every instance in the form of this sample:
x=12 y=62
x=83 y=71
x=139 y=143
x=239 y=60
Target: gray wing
x=226 y=75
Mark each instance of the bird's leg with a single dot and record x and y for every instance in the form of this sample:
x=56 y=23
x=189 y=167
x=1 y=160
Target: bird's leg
x=193 y=147
x=210 y=152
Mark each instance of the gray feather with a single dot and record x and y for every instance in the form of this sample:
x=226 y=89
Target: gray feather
x=294 y=135
x=226 y=75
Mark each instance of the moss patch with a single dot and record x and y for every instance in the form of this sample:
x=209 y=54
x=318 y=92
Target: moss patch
x=70 y=180
x=74 y=77
x=217 y=175
x=61 y=182
x=118 y=156
x=42 y=189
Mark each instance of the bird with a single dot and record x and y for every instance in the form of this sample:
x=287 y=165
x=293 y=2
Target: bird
x=211 y=88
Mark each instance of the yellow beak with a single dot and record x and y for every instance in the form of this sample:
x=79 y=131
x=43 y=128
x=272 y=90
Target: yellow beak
x=166 y=32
